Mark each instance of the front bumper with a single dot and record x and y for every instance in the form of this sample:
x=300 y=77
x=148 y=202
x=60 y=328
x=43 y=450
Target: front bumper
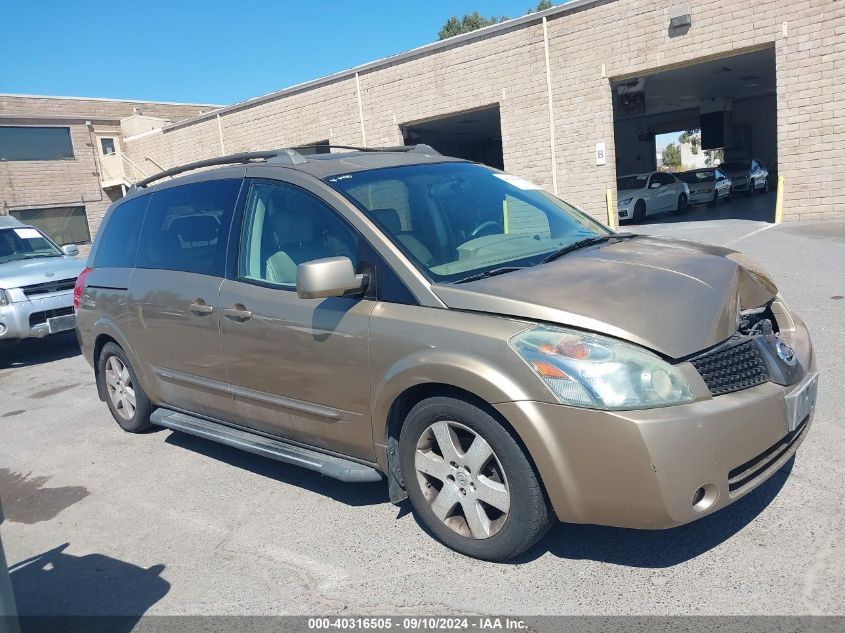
x=643 y=469
x=625 y=212
x=740 y=185
x=30 y=318
x=700 y=197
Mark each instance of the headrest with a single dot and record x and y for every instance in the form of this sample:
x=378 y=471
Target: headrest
x=387 y=218
x=292 y=227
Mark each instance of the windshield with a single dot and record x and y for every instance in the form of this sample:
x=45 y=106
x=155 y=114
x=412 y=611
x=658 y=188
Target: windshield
x=25 y=243
x=631 y=182
x=693 y=177
x=737 y=165
x=456 y=220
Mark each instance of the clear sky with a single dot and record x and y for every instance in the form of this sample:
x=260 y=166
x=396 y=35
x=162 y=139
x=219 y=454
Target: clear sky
x=213 y=51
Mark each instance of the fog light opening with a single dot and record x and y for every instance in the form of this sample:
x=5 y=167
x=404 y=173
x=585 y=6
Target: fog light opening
x=704 y=498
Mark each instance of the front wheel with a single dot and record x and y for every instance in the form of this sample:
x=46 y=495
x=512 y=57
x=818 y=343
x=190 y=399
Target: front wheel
x=129 y=405
x=682 y=203
x=469 y=481
x=639 y=211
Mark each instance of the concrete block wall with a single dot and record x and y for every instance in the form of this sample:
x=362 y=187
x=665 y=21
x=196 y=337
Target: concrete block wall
x=71 y=182
x=590 y=44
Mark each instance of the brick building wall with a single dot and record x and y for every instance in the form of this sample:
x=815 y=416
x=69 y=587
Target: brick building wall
x=71 y=182
x=591 y=43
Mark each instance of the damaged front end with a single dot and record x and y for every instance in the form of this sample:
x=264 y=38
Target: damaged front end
x=755 y=354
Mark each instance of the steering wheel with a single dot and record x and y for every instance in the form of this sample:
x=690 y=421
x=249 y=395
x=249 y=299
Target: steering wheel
x=485 y=229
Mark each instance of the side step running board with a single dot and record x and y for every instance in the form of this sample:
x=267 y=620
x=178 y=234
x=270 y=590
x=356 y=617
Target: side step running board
x=328 y=465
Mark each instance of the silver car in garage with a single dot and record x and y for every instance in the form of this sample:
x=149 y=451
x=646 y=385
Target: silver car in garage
x=707 y=185
x=36 y=282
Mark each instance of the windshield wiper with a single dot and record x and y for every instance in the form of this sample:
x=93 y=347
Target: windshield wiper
x=490 y=273
x=584 y=243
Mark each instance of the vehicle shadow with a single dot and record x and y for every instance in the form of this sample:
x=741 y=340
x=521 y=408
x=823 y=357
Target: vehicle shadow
x=55 y=591
x=658 y=548
x=759 y=208
x=36 y=351
x=353 y=494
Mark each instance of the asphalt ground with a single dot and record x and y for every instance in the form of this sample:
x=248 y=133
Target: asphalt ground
x=103 y=522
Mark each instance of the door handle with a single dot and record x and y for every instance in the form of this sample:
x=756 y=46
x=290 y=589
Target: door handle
x=238 y=312
x=201 y=307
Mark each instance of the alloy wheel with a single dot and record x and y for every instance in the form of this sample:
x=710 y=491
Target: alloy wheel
x=120 y=389
x=462 y=479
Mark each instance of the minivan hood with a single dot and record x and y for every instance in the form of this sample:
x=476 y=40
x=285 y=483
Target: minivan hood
x=672 y=296
x=40 y=270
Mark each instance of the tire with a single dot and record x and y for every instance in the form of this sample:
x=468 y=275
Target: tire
x=766 y=188
x=682 y=203
x=120 y=384
x=639 y=211
x=751 y=189
x=441 y=458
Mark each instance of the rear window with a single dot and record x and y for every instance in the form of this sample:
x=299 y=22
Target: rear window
x=693 y=177
x=631 y=182
x=736 y=165
x=118 y=240
x=186 y=227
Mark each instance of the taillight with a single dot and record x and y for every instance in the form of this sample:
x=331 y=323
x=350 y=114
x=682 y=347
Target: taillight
x=79 y=286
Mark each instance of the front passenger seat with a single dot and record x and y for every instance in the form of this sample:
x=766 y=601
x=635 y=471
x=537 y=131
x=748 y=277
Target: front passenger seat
x=294 y=237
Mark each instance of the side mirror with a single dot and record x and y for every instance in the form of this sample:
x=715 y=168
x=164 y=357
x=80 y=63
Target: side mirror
x=72 y=250
x=330 y=277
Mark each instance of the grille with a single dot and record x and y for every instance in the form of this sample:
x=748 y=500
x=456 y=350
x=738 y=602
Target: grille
x=49 y=287
x=37 y=318
x=733 y=368
x=746 y=473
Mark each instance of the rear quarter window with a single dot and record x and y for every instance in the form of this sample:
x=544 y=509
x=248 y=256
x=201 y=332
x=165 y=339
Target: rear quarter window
x=118 y=240
x=187 y=227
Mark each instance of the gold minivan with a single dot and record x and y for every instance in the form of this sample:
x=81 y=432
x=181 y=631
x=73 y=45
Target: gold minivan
x=499 y=357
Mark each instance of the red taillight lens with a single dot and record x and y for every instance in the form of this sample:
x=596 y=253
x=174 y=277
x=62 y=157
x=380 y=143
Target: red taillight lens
x=79 y=286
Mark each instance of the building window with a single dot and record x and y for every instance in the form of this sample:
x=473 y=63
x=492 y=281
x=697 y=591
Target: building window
x=107 y=144
x=35 y=143
x=64 y=225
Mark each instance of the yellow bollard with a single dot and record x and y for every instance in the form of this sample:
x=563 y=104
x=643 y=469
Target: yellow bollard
x=779 y=202
x=611 y=211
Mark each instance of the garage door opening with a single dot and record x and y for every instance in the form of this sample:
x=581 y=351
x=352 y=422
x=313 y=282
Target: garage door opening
x=474 y=135
x=703 y=115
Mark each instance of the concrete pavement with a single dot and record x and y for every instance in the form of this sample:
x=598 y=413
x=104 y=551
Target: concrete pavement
x=164 y=523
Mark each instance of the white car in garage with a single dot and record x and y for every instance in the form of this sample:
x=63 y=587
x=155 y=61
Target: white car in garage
x=641 y=195
x=707 y=185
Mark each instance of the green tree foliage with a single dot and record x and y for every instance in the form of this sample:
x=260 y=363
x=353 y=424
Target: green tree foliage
x=474 y=21
x=672 y=156
x=470 y=22
x=693 y=137
x=541 y=6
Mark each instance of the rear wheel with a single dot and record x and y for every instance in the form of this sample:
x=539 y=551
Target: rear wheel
x=469 y=481
x=129 y=405
x=639 y=211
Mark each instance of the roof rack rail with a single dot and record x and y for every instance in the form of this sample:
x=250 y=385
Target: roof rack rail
x=419 y=148
x=285 y=156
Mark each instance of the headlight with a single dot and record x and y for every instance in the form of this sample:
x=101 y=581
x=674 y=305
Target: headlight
x=591 y=371
x=4 y=298
x=624 y=202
